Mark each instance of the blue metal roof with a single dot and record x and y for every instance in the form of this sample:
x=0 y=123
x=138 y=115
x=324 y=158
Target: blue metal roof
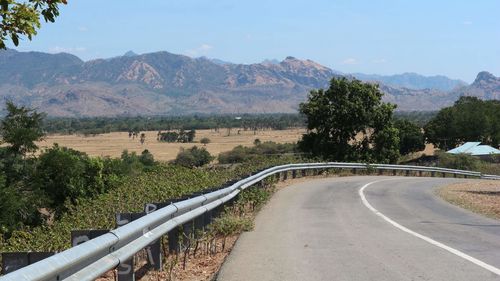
x=474 y=149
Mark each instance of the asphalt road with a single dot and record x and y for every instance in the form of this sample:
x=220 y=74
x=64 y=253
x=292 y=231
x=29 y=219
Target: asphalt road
x=322 y=230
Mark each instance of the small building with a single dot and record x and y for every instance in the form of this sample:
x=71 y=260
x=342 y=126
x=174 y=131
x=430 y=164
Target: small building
x=475 y=149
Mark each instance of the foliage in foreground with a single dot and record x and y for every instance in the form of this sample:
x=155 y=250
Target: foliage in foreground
x=22 y=18
x=158 y=184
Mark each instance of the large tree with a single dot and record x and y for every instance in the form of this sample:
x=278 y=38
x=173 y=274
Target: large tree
x=22 y=18
x=469 y=119
x=349 y=122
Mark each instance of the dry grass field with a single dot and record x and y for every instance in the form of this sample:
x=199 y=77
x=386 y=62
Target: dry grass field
x=113 y=144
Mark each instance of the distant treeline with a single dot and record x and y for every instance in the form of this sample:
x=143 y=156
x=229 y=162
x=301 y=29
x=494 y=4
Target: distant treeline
x=100 y=125
x=419 y=118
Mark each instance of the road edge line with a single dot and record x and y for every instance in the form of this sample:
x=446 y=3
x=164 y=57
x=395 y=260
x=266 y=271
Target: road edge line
x=423 y=237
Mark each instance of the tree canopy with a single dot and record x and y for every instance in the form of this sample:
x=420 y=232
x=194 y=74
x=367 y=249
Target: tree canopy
x=21 y=128
x=469 y=119
x=349 y=122
x=22 y=18
x=411 y=137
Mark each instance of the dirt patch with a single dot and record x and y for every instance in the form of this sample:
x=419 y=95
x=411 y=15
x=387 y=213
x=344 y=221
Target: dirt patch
x=482 y=197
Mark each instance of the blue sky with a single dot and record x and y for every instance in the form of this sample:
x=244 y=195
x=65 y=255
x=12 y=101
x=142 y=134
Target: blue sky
x=457 y=38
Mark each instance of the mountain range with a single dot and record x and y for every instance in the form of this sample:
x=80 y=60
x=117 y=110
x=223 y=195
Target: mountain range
x=163 y=83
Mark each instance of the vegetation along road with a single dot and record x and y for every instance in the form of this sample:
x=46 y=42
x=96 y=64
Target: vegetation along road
x=366 y=228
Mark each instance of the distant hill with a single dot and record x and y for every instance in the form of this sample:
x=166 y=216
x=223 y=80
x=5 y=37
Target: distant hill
x=486 y=86
x=414 y=81
x=163 y=83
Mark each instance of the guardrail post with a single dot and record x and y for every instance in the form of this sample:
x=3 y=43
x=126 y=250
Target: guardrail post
x=465 y=176
x=125 y=271
x=304 y=172
x=294 y=174
x=407 y=173
x=354 y=171
x=433 y=174
x=394 y=172
x=444 y=175
x=80 y=236
x=380 y=172
x=173 y=240
x=285 y=175
x=17 y=260
x=419 y=173
x=454 y=175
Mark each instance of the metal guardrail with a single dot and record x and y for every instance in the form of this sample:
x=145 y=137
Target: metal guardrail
x=95 y=257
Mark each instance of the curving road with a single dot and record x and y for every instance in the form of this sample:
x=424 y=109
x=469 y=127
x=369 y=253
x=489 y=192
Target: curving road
x=393 y=229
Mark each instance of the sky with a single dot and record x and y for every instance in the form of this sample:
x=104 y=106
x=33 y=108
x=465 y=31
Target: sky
x=456 y=38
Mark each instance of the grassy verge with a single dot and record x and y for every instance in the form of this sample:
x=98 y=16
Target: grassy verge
x=482 y=197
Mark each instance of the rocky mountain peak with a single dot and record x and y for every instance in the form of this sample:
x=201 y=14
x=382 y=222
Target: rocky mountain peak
x=296 y=65
x=130 y=54
x=485 y=77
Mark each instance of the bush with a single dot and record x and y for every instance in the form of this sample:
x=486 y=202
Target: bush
x=146 y=158
x=458 y=161
x=238 y=154
x=205 y=141
x=193 y=157
x=231 y=224
x=241 y=154
x=131 y=164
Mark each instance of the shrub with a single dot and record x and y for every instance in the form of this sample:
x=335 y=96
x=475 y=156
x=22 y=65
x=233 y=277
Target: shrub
x=193 y=157
x=241 y=154
x=131 y=163
x=236 y=155
x=458 y=161
x=146 y=158
x=205 y=141
x=231 y=224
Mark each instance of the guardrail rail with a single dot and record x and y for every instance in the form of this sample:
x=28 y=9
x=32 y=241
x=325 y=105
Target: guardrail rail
x=92 y=259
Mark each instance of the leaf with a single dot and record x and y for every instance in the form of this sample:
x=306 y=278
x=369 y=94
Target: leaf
x=15 y=39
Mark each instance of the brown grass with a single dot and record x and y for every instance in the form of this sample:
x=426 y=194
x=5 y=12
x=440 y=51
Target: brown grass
x=113 y=144
x=482 y=197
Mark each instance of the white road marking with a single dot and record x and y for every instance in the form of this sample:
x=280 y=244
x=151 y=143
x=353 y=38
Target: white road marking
x=425 y=238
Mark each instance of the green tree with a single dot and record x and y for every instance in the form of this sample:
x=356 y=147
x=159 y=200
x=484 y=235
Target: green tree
x=60 y=174
x=21 y=128
x=205 y=141
x=22 y=18
x=66 y=174
x=10 y=204
x=349 y=122
x=469 y=119
x=193 y=157
x=411 y=137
